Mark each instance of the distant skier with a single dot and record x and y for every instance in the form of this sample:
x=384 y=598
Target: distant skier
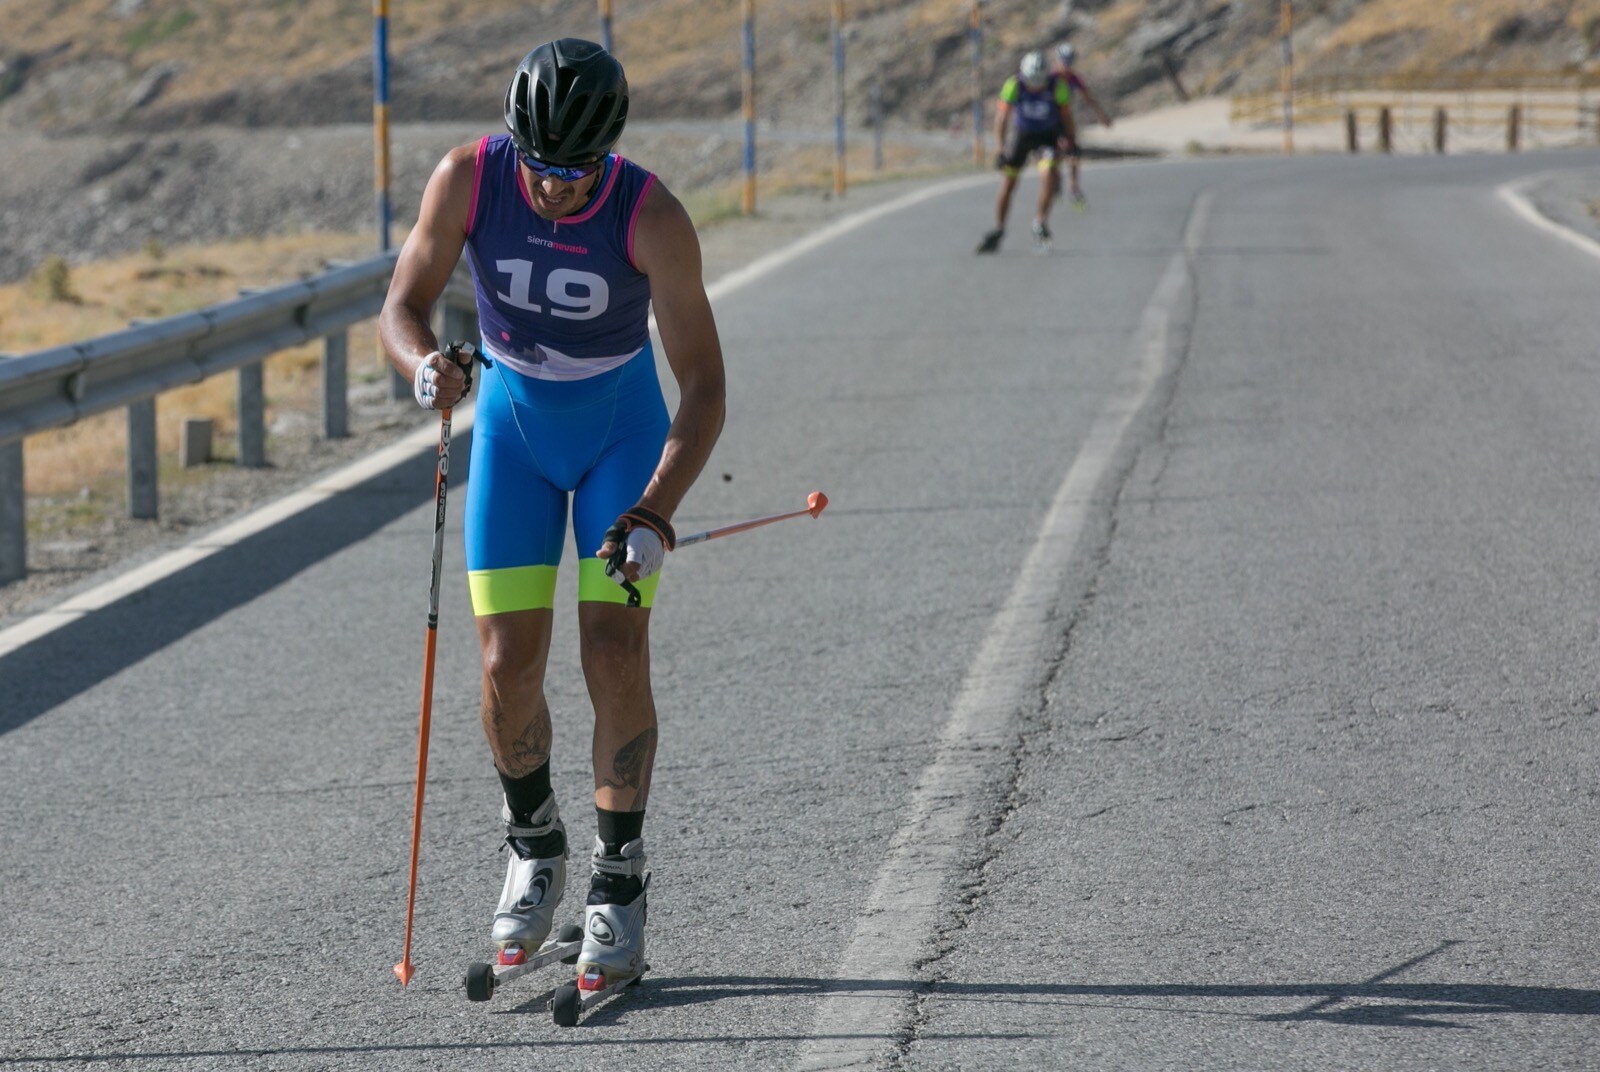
x=1066 y=56
x=569 y=245
x=1034 y=114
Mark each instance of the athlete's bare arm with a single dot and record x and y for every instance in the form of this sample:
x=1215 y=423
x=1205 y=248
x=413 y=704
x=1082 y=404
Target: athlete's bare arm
x=426 y=262
x=667 y=250
x=1105 y=120
x=1002 y=115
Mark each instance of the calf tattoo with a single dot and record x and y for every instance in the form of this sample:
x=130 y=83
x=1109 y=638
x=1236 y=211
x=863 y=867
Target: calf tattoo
x=630 y=766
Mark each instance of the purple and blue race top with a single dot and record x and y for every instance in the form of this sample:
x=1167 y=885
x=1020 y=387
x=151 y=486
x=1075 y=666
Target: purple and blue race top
x=557 y=299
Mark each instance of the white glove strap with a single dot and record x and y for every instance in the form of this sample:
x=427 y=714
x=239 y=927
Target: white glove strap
x=423 y=382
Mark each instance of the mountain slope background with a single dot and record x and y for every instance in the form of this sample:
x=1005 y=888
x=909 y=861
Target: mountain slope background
x=100 y=66
x=128 y=123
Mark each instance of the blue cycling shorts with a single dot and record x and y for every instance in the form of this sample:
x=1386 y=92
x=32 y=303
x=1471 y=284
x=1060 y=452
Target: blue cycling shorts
x=533 y=443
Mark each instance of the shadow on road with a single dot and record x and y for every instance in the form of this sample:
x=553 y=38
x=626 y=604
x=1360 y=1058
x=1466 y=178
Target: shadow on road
x=1406 y=1005
x=50 y=671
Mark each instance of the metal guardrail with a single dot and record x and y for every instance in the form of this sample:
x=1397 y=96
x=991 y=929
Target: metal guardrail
x=64 y=384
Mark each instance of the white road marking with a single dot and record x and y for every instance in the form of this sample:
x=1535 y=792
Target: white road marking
x=1512 y=194
x=47 y=621
x=858 y=1028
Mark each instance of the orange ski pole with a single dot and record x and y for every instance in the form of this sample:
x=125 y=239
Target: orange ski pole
x=404 y=969
x=816 y=502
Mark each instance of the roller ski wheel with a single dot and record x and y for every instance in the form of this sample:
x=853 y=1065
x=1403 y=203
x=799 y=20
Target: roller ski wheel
x=513 y=962
x=572 y=1000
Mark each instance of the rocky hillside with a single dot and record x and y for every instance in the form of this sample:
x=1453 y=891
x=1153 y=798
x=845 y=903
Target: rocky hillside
x=101 y=66
x=100 y=99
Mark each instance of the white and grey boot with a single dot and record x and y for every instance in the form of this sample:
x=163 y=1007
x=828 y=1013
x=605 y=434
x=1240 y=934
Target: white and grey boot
x=613 y=920
x=534 y=884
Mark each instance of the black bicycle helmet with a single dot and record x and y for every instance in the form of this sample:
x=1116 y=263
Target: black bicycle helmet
x=567 y=103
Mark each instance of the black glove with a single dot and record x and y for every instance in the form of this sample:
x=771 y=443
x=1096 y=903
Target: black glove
x=1000 y=161
x=464 y=355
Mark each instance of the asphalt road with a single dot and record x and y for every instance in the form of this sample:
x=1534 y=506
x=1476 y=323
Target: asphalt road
x=1194 y=669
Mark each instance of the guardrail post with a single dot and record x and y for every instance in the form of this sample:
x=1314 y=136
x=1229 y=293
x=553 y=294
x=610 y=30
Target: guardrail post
x=1350 y=141
x=252 y=417
x=1440 y=123
x=142 y=492
x=1385 y=130
x=335 y=385
x=13 y=515
x=1513 y=122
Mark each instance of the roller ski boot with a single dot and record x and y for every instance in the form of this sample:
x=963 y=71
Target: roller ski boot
x=536 y=879
x=991 y=241
x=1041 y=237
x=1079 y=202
x=612 y=954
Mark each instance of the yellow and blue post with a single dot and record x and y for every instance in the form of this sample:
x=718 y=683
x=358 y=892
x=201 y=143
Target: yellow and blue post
x=749 y=107
x=605 y=27
x=975 y=31
x=838 y=98
x=380 y=115
x=398 y=387
x=1287 y=75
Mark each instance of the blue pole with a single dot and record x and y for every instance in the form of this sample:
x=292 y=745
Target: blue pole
x=749 y=107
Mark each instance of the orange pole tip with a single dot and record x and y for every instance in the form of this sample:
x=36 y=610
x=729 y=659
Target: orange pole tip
x=405 y=971
x=816 y=502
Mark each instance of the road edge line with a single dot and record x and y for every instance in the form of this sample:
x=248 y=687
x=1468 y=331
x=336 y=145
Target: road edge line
x=1512 y=194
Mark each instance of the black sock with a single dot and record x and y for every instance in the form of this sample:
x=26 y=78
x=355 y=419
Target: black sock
x=617 y=828
x=524 y=796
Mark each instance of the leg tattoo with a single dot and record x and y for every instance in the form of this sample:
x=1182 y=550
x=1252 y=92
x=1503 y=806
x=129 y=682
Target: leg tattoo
x=630 y=767
x=519 y=753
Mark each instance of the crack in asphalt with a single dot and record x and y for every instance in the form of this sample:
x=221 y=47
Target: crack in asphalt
x=1036 y=720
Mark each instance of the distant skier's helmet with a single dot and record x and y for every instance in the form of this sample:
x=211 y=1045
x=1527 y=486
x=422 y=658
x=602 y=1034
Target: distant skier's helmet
x=1066 y=54
x=567 y=103
x=1034 y=70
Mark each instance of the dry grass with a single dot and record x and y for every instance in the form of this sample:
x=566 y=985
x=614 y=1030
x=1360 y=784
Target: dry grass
x=1452 y=28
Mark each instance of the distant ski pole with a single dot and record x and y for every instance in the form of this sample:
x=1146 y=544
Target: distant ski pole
x=816 y=502
x=404 y=969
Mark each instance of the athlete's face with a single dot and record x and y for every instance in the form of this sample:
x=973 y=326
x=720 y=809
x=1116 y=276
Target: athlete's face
x=554 y=198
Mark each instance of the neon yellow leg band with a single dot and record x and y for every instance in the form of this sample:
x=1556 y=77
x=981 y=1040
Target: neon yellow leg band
x=595 y=587
x=499 y=591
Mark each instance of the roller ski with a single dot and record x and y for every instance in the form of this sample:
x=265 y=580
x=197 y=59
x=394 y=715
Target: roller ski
x=1079 y=202
x=536 y=879
x=612 y=955
x=991 y=241
x=1042 y=239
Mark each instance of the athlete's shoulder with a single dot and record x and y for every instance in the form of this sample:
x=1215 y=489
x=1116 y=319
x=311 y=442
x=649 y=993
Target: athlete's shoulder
x=1008 y=92
x=662 y=234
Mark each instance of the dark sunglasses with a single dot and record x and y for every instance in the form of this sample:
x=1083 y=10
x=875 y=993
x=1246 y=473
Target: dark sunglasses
x=565 y=174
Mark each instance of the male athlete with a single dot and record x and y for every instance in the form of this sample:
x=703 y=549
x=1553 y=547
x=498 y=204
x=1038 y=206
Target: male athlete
x=1034 y=114
x=1066 y=56
x=569 y=245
